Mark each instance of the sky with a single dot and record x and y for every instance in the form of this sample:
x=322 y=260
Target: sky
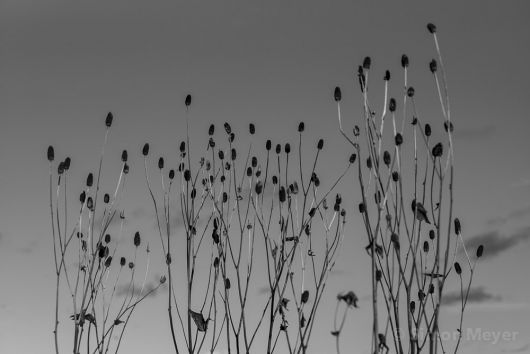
x=65 y=64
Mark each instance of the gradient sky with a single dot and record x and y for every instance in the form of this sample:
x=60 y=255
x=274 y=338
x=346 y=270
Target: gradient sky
x=65 y=64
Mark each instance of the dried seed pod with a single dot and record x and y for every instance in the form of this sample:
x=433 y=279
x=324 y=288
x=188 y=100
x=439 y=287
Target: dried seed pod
x=431 y=28
x=254 y=161
x=458 y=226
x=458 y=268
x=305 y=297
x=352 y=158
x=124 y=156
x=437 y=150
x=362 y=208
x=108 y=261
x=125 y=168
x=182 y=146
x=137 y=239
x=131 y=265
x=386 y=158
x=427 y=130
x=398 y=139
x=480 y=251
x=268 y=145
x=171 y=174
x=431 y=288
x=249 y=171
x=145 y=149
x=216 y=262
x=106 y=198
x=278 y=148
x=233 y=154
x=211 y=130
x=161 y=163
x=395 y=176
x=187 y=175
x=287 y=148
x=187 y=101
x=433 y=66
x=51 y=153
x=410 y=92
x=252 y=128
x=404 y=61
x=274 y=180
x=259 y=188
x=90 y=180
x=337 y=94
x=320 y=144
x=107 y=238
x=227 y=284
x=282 y=194
x=66 y=163
x=425 y=246
x=367 y=62
x=227 y=127
x=369 y=163
x=301 y=127
x=60 y=168
x=90 y=204
x=432 y=234
x=392 y=105
x=82 y=197
x=108 y=120
x=412 y=306
x=387 y=76
x=122 y=261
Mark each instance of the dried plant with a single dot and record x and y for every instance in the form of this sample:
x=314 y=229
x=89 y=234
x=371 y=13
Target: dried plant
x=411 y=242
x=257 y=208
x=85 y=258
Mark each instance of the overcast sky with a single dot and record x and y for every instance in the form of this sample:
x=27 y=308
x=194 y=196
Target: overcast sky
x=65 y=64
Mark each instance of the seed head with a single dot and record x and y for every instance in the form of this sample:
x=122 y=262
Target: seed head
x=107 y=238
x=227 y=284
x=398 y=139
x=66 y=163
x=131 y=265
x=89 y=180
x=395 y=176
x=51 y=153
x=124 y=156
x=386 y=158
x=106 y=198
x=182 y=147
x=301 y=127
x=60 y=168
x=410 y=92
x=480 y=251
x=427 y=130
x=337 y=94
x=187 y=175
x=437 y=150
x=432 y=28
x=282 y=194
x=433 y=66
x=187 y=101
x=387 y=76
x=274 y=180
x=287 y=148
x=108 y=120
x=251 y=128
x=352 y=158
x=425 y=246
x=137 y=239
x=259 y=188
x=412 y=306
x=458 y=268
x=448 y=126
x=249 y=171
x=125 y=168
x=278 y=148
x=254 y=161
x=458 y=227
x=234 y=154
x=171 y=174
x=392 y=105
x=404 y=61
x=432 y=234
x=320 y=144
x=122 y=261
x=108 y=261
x=362 y=208
x=268 y=145
x=228 y=129
x=145 y=149
x=231 y=137
x=305 y=297
x=211 y=130
x=367 y=62
x=161 y=163
x=82 y=197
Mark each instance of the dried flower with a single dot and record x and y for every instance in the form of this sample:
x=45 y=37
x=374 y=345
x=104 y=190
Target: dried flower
x=305 y=297
x=398 y=139
x=187 y=101
x=437 y=150
x=252 y=128
x=433 y=66
x=410 y=91
x=145 y=149
x=387 y=76
x=161 y=163
x=124 y=156
x=392 y=105
x=432 y=28
x=427 y=130
x=51 y=153
x=367 y=62
x=106 y=198
x=458 y=269
x=458 y=227
x=228 y=129
x=108 y=120
x=268 y=145
x=480 y=251
x=211 y=130
x=320 y=144
x=89 y=180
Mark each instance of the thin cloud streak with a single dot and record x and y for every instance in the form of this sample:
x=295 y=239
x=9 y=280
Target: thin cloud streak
x=494 y=243
x=476 y=295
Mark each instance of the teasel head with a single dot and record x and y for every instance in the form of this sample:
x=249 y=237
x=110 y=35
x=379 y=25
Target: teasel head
x=233 y=154
x=301 y=127
x=432 y=234
x=106 y=198
x=404 y=61
x=274 y=179
x=458 y=268
x=171 y=174
x=305 y=297
x=249 y=171
x=367 y=62
x=320 y=144
x=433 y=66
x=362 y=208
x=251 y=128
x=161 y=163
x=425 y=246
x=398 y=139
x=122 y=261
x=82 y=197
x=287 y=148
x=387 y=75
x=282 y=194
x=352 y=158
x=227 y=127
x=108 y=120
x=437 y=150
x=395 y=176
x=211 y=130
x=259 y=187
x=392 y=105
x=458 y=226
x=410 y=92
x=182 y=147
x=254 y=161
x=337 y=94
x=428 y=130
x=268 y=145
x=124 y=156
x=89 y=180
x=137 y=239
x=278 y=148
x=51 y=153
x=221 y=155
x=231 y=137
x=187 y=175
x=386 y=158
x=145 y=149
x=187 y=101
x=431 y=28
x=480 y=251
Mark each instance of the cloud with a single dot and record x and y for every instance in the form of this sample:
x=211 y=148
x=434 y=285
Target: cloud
x=476 y=295
x=476 y=133
x=125 y=290
x=495 y=244
x=516 y=214
x=522 y=349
